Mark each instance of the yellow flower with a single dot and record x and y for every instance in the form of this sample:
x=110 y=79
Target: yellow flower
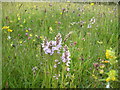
x=20 y=42
x=41 y=37
x=36 y=35
x=26 y=30
x=61 y=13
x=108 y=79
x=56 y=22
x=9 y=30
x=36 y=55
x=31 y=35
x=34 y=40
x=5 y=27
x=105 y=61
x=91 y=4
x=18 y=18
x=21 y=25
x=34 y=6
x=112 y=73
x=110 y=54
x=111 y=76
x=11 y=44
x=50 y=28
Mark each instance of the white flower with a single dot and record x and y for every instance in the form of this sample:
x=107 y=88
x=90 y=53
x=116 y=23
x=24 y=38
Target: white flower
x=108 y=85
x=89 y=26
x=56 y=76
x=9 y=37
x=56 y=60
x=55 y=66
x=92 y=20
x=67 y=64
x=34 y=68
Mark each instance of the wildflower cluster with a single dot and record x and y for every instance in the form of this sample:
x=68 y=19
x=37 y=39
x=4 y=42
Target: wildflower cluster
x=34 y=69
x=56 y=63
x=112 y=73
x=92 y=21
x=56 y=76
x=51 y=46
x=110 y=55
x=111 y=76
x=111 y=70
x=7 y=28
x=66 y=57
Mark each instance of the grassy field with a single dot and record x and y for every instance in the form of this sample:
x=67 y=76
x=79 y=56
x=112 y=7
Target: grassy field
x=88 y=45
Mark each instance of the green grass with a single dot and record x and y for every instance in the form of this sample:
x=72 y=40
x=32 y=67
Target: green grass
x=18 y=61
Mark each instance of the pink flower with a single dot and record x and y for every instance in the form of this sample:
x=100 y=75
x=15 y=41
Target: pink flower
x=75 y=43
x=55 y=66
x=66 y=57
x=26 y=34
x=50 y=47
x=68 y=69
x=56 y=60
x=29 y=38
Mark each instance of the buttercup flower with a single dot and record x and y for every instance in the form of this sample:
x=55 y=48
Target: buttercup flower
x=5 y=27
x=26 y=30
x=91 y=4
x=110 y=54
x=9 y=30
x=31 y=35
x=111 y=76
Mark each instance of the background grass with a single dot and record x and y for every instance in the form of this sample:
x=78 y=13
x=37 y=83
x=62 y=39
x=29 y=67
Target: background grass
x=18 y=61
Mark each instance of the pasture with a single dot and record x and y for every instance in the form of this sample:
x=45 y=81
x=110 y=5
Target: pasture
x=59 y=45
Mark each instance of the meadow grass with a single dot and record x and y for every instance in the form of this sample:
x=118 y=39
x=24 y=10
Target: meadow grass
x=21 y=52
